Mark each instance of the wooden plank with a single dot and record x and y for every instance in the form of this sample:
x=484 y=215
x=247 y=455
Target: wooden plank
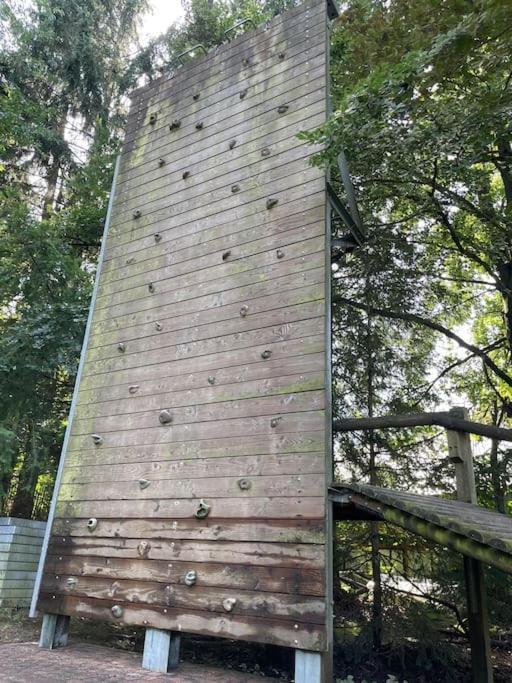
x=280 y=531
x=157 y=655
x=217 y=307
x=223 y=106
x=191 y=244
x=193 y=208
x=164 y=176
x=293 y=244
x=213 y=362
x=133 y=404
x=214 y=575
x=256 y=629
x=283 y=486
x=305 y=555
x=308 y=667
x=296 y=200
x=278 y=318
x=152 y=175
x=221 y=66
x=134 y=358
x=273 y=444
x=232 y=508
x=250 y=603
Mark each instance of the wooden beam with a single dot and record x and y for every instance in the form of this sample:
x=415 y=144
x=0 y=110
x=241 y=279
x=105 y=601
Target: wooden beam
x=54 y=631
x=308 y=667
x=161 y=650
x=441 y=419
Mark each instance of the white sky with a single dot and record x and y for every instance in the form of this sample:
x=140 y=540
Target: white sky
x=161 y=15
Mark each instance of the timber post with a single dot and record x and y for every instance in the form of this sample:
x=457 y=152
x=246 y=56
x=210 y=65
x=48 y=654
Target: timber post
x=308 y=667
x=54 y=631
x=161 y=650
x=460 y=453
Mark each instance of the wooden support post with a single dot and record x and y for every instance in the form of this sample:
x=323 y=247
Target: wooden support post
x=459 y=448
x=161 y=650
x=54 y=631
x=308 y=667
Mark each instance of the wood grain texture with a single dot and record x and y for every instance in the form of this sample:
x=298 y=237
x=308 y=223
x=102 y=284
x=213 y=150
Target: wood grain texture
x=204 y=383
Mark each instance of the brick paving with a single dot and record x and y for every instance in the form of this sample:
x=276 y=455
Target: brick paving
x=87 y=663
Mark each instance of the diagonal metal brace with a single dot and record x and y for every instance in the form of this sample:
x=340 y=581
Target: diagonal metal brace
x=342 y=211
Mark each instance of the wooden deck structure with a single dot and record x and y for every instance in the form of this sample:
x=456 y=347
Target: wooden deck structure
x=194 y=493
x=192 y=490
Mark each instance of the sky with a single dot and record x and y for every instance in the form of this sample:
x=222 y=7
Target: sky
x=161 y=15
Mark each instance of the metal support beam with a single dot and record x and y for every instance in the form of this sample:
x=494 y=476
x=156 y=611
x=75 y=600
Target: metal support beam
x=308 y=667
x=161 y=650
x=54 y=631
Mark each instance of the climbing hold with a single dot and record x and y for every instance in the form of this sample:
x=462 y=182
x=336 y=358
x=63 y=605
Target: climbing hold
x=235 y=188
x=165 y=417
x=158 y=326
x=71 y=582
x=272 y=202
x=228 y=604
x=151 y=287
x=211 y=380
x=152 y=118
x=121 y=347
x=266 y=354
x=97 y=439
x=232 y=144
x=196 y=96
x=275 y=421
x=191 y=577
x=158 y=237
x=161 y=162
x=226 y=255
x=244 y=310
x=117 y=611
x=133 y=389
x=282 y=109
x=245 y=61
x=175 y=124
x=143 y=548
x=203 y=510
x=137 y=214
x=243 y=94
x=199 y=125
x=244 y=484
x=282 y=55
x=265 y=152
x=92 y=524
x=280 y=253
x=185 y=175
x=143 y=484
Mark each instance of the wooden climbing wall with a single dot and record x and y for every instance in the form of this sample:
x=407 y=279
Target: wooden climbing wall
x=203 y=390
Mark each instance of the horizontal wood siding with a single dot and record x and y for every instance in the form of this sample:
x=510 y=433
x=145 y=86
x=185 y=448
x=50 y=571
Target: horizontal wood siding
x=204 y=375
x=20 y=547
